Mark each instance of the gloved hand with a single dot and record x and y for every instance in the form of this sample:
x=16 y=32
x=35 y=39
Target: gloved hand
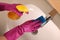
x=29 y=26
x=11 y=7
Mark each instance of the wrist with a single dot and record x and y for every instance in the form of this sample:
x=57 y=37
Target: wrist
x=3 y=6
x=14 y=33
x=7 y=7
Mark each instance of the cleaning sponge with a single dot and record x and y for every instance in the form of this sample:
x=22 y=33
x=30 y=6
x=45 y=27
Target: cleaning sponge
x=42 y=19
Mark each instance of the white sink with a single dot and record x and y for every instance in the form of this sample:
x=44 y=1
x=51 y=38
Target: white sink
x=47 y=32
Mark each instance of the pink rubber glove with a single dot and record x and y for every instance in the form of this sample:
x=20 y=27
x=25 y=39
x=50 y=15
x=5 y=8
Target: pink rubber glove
x=29 y=26
x=10 y=7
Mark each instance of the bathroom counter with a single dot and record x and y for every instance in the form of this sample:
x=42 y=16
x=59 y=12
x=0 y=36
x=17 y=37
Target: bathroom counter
x=55 y=4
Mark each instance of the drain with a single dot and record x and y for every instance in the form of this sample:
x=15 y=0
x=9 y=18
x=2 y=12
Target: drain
x=34 y=33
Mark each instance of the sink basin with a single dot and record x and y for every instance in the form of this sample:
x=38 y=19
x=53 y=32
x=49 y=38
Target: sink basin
x=47 y=32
